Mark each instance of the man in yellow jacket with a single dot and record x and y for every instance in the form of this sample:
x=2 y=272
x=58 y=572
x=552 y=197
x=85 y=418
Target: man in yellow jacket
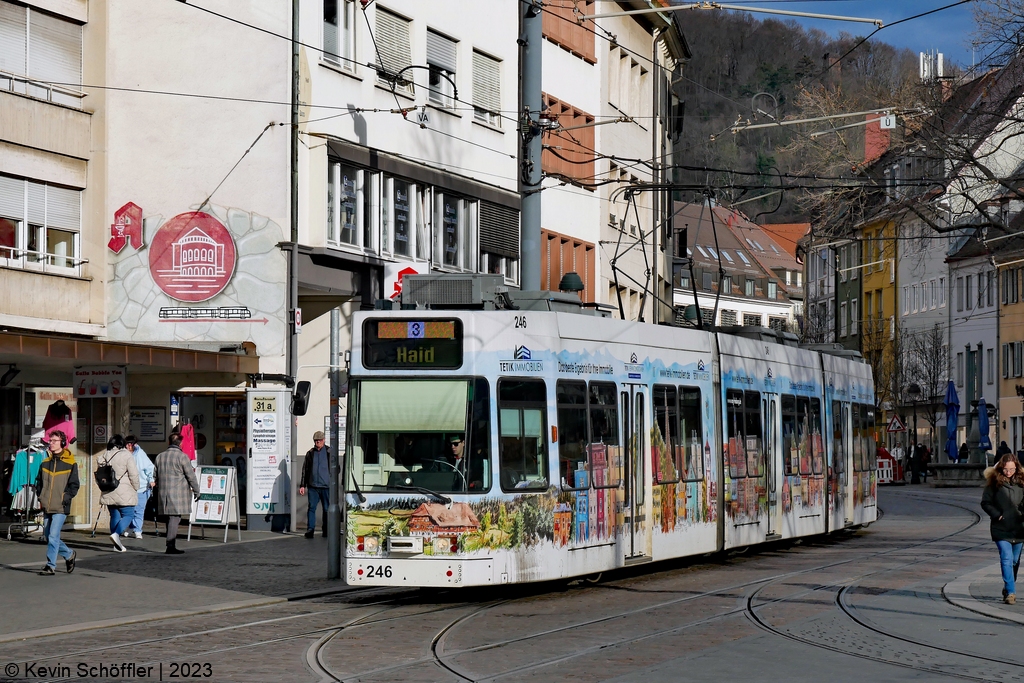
x=56 y=485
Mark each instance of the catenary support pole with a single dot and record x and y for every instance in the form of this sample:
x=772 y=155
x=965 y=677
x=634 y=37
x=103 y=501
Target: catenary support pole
x=293 y=257
x=531 y=44
x=334 y=509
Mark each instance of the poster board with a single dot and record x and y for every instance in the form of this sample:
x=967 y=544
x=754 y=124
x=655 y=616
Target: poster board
x=148 y=423
x=217 y=504
x=269 y=438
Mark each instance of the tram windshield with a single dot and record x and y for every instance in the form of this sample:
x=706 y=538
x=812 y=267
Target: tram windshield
x=433 y=434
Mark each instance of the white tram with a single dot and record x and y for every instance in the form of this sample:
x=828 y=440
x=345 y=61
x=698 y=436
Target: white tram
x=506 y=446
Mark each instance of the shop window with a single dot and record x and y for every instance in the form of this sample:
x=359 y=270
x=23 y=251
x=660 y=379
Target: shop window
x=454 y=241
x=523 y=452
x=352 y=206
x=339 y=33
x=499 y=241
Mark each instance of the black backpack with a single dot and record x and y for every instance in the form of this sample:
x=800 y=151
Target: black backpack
x=105 y=479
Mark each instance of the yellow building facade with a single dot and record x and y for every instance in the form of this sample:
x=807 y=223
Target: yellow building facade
x=878 y=310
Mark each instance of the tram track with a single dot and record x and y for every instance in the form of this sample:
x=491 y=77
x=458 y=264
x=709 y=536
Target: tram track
x=445 y=659
x=844 y=607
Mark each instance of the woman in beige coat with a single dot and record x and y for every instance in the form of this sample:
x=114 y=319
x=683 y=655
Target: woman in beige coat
x=121 y=501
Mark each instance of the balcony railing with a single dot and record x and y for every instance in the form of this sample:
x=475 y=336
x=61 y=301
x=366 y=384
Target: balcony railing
x=59 y=94
x=41 y=262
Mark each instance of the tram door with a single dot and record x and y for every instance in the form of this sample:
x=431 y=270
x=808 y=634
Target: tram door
x=633 y=409
x=772 y=461
x=846 y=461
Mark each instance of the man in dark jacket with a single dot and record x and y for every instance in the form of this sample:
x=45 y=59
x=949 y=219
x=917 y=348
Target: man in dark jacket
x=56 y=485
x=316 y=478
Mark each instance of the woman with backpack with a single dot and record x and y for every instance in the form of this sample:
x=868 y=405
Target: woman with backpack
x=1004 y=492
x=118 y=480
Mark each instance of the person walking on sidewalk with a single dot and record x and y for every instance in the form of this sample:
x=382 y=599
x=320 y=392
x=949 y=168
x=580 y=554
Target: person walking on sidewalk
x=176 y=488
x=121 y=501
x=56 y=485
x=147 y=480
x=1004 y=492
x=316 y=478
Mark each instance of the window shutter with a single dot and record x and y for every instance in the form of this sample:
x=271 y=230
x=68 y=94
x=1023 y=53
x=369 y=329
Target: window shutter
x=63 y=208
x=54 y=49
x=12 y=198
x=393 y=41
x=12 y=38
x=486 y=83
x=441 y=51
x=499 y=230
x=36 y=203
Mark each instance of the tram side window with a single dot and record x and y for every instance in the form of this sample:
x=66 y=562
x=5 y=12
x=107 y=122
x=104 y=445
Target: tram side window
x=605 y=453
x=858 y=445
x=666 y=435
x=868 y=420
x=734 y=420
x=752 y=432
x=790 y=450
x=838 y=445
x=817 y=445
x=803 y=431
x=523 y=450
x=571 y=400
x=691 y=433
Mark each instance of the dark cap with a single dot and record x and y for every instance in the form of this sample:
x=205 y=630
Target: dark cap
x=318 y=436
x=456 y=438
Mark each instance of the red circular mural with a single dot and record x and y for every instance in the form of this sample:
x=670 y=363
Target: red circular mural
x=192 y=257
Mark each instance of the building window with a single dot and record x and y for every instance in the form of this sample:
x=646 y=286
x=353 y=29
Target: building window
x=453 y=246
x=394 y=46
x=39 y=226
x=990 y=373
x=441 y=61
x=843 y=324
x=968 y=290
x=906 y=299
x=751 y=320
x=352 y=206
x=777 y=324
x=960 y=294
x=339 y=33
x=707 y=281
x=990 y=278
x=499 y=243
x=934 y=294
x=960 y=369
x=748 y=288
x=1018 y=347
x=568 y=154
x=773 y=289
x=1006 y=360
x=726 y=287
x=486 y=89
x=38 y=50
x=561 y=26
x=854 y=319
x=942 y=292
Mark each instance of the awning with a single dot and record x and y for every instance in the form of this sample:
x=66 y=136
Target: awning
x=58 y=353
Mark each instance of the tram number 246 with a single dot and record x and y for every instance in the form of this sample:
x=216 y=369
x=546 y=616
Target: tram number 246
x=381 y=571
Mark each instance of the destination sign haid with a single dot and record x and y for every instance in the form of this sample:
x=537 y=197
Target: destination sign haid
x=425 y=344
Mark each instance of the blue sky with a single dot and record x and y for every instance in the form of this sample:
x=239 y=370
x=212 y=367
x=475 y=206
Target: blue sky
x=948 y=31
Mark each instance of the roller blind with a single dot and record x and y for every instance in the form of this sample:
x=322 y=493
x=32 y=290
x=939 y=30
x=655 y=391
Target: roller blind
x=36 y=203
x=486 y=83
x=393 y=41
x=413 y=406
x=13 y=32
x=499 y=230
x=440 y=51
x=12 y=197
x=54 y=49
x=63 y=208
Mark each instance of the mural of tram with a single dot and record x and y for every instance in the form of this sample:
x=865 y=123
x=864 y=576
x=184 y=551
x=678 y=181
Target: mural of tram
x=508 y=446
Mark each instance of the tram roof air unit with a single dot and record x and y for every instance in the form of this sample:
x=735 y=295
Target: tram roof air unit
x=452 y=290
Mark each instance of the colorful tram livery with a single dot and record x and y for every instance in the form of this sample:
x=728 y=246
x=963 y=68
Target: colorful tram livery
x=506 y=446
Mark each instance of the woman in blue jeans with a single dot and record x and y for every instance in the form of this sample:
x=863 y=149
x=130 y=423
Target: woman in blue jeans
x=1004 y=493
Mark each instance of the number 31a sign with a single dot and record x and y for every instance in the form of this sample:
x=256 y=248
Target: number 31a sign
x=264 y=405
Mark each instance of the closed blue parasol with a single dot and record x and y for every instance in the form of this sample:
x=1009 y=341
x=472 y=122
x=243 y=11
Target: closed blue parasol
x=952 y=414
x=984 y=443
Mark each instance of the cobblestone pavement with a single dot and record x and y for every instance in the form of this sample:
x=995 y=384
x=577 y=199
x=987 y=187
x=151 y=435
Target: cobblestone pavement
x=912 y=598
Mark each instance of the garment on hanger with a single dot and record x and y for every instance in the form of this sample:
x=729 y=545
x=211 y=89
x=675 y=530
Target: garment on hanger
x=58 y=419
x=188 y=440
x=26 y=499
x=26 y=469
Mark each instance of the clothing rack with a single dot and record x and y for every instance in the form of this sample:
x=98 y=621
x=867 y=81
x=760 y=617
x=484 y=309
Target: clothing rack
x=25 y=506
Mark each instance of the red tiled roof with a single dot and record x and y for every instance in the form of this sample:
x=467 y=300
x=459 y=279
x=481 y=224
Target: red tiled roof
x=786 y=235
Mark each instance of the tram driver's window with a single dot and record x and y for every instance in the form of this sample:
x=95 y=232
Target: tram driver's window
x=735 y=447
x=752 y=432
x=573 y=439
x=691 y=434
x=870 y=445
x=523 y=452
